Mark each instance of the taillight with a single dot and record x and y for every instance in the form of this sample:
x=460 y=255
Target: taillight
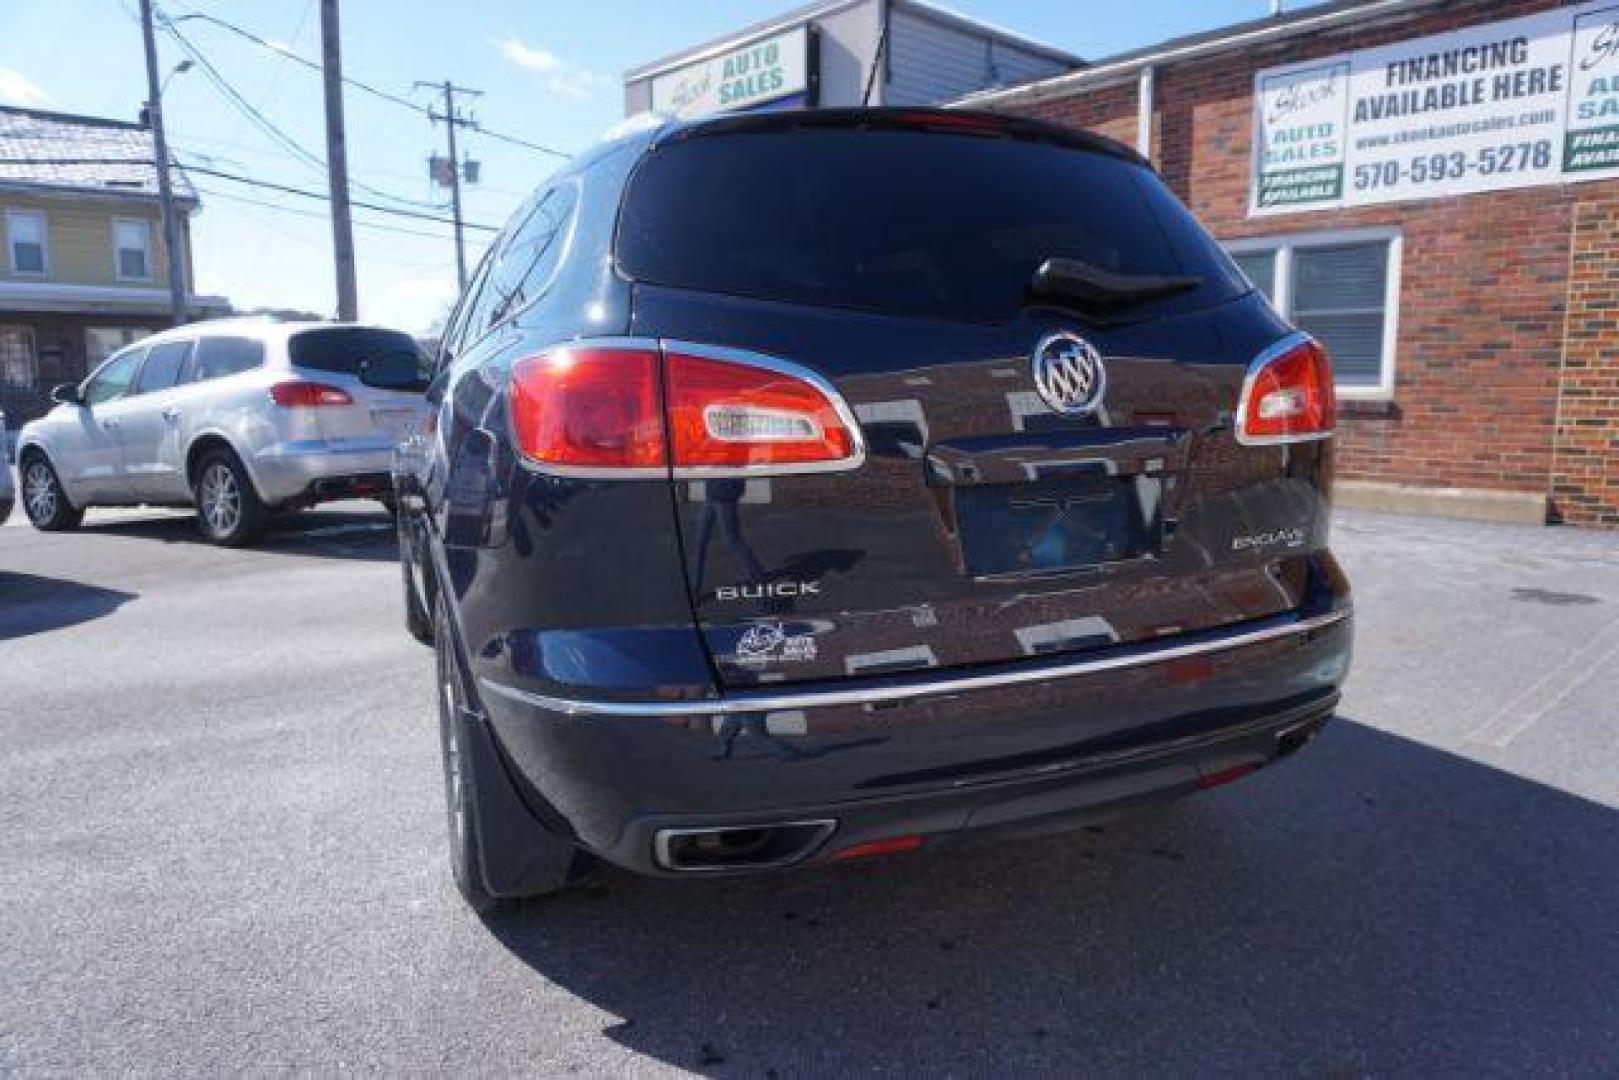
x=746 y=413
x=623 y=410
x=1287 y=396
x=589 y=409
x=298 y=394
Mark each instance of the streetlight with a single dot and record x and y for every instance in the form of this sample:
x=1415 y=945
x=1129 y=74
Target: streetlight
x=179 y=69
x=146 y=106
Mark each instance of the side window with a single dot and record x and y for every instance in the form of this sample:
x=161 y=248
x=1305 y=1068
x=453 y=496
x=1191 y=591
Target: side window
x=162 y=367
x=218 y=357
x=522 y=262
x=525 y=265
x=111 y=380
x=455 y=329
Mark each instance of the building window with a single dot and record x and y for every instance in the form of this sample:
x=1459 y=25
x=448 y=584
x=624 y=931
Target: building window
x=25 y=236
x=101 y=342
x=132 y=249
x=1342 y=288
x=19 y=364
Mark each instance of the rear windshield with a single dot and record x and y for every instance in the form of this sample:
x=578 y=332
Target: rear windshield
x=344 y=349
x=902 y=222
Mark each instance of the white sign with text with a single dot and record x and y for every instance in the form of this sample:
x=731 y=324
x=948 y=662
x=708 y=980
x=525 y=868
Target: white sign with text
x=739 y=78
x=1504 y=105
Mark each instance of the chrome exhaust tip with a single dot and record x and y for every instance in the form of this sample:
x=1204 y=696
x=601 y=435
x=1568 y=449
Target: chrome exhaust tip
x=733 y=848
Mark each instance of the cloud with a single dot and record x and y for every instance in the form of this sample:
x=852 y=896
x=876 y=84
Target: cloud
x=16 y=89
x=560 y=76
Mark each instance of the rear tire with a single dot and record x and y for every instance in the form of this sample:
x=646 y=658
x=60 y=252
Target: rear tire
x=43 y=499
x=229 y=510
x=418 y=619
x=492 y=837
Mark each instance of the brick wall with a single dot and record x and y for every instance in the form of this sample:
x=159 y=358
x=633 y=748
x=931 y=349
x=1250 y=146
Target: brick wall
x=1485 y=285
x=1586 y=468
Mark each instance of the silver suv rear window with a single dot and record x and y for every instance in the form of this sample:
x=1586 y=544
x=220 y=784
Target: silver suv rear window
x=344 y=350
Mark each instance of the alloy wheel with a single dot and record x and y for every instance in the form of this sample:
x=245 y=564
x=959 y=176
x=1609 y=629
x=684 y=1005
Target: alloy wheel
x=221 y=499
x=39 y=491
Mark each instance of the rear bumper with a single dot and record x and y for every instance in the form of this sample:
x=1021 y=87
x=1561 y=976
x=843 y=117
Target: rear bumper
x=1083 y=794
x=302 y=471
x=1048 y=747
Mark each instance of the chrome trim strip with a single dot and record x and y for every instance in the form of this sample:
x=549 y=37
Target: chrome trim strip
x=822 y=699
x=1280 y=348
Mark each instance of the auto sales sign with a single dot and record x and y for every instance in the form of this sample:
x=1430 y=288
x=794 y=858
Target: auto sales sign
x=1504 y=105
x=764 y=70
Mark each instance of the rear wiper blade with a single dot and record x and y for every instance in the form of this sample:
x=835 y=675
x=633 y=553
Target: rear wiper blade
x=1080 y=284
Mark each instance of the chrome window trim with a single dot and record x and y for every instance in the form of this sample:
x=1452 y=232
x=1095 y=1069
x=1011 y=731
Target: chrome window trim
x=821 y=699
x=1280 y=348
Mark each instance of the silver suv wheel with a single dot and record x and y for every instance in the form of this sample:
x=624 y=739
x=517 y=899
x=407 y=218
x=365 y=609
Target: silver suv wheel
x=39 y=491
x=220 y=501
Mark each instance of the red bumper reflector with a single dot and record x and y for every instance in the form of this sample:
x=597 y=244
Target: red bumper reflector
x=892 y=846
x=1225 y=776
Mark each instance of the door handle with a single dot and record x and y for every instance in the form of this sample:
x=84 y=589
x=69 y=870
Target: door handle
x=109 y=424
x=171 y=414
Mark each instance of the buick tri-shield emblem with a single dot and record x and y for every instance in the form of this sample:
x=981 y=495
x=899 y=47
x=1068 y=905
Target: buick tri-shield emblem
x=1068 y=373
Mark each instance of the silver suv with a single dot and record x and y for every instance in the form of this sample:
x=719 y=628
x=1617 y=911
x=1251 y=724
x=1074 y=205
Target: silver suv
x=235 y=417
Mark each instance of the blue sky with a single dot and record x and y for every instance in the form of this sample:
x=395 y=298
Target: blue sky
x=550 y=70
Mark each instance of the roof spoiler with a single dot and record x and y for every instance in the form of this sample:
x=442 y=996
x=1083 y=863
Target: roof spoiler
x=948 y=121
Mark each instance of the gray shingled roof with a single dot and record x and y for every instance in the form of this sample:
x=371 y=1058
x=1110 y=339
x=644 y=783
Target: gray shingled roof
x=104 y=155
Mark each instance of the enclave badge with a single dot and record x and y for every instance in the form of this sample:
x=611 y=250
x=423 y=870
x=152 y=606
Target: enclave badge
x=1068 y=373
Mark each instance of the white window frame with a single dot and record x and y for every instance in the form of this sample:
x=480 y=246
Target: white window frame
x=117 y=265
x=44 y=242
x=1285 y=245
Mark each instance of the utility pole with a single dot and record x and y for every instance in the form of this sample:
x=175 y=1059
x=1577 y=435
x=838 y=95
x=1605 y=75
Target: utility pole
x=453 y=120
x=337 y=164
x=165 y=188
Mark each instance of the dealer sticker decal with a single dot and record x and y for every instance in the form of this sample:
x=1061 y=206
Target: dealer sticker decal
x=765 y=643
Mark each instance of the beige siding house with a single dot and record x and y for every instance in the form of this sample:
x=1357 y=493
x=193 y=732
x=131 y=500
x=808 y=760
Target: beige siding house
x=83 y=270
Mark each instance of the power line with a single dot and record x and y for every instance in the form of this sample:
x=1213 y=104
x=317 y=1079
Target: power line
x=239 y=179
x=317 y=215
x=298 y=211
x=287 y=54
x=514 y=140
x=287 y=189
x=384 y=95
x=224 y=86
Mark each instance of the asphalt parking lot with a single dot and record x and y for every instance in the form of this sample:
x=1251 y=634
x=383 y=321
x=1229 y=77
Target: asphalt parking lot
x=223 y=851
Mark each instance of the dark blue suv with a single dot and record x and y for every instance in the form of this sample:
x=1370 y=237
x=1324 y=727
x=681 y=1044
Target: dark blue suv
x=816 y=485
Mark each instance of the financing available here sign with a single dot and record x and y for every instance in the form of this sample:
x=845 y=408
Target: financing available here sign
x=1504 y=105
x=749 y=75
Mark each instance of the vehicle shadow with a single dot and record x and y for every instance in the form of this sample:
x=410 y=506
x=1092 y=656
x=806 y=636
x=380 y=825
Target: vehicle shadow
x=327 y=533
x=1374 y=905
x=30 y=604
